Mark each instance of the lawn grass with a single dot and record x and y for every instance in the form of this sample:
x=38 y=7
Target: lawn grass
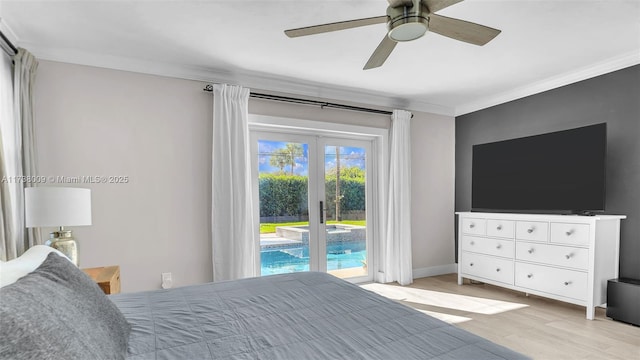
x=267 y=228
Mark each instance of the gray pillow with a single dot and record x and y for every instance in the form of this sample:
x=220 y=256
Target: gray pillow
x=58 y=312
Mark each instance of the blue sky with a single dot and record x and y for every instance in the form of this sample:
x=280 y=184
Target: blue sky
x=349 y=156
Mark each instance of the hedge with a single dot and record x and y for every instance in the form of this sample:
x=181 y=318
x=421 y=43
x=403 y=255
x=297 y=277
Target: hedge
x=353 y=195
x=286 y=195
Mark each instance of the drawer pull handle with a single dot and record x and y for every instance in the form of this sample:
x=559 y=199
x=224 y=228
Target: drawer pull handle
x=568 y=256
x=499 y=227
x=497 y=269
x=569 y=232
x=530 y=251
x=498 y=246
x=530 y=230
x=472 y=225
x=471 y=264
x=530 y=276
x=567 y=283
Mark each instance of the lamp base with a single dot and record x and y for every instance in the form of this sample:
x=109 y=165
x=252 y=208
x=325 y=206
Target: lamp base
x=64 y=242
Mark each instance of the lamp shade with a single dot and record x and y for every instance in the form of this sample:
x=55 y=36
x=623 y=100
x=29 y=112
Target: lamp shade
x=57 y=206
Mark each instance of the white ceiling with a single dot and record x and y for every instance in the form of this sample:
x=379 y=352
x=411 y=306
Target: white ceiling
x=543 y=44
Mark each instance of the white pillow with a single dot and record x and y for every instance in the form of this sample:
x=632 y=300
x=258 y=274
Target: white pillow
x=12 y=270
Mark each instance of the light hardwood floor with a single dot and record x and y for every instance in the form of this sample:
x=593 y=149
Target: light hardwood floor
x=532 y=325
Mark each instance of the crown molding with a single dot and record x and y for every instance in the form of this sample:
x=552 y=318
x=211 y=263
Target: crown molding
x=588 y=72
x=317 y=90
x=244 y=78
x=8 y=32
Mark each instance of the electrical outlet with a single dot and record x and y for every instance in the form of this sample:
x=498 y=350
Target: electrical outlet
x=167 y=280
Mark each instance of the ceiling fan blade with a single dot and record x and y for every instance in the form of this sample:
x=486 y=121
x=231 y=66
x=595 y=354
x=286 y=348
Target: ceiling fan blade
x=381 y=53
x=437 y=5
x=398 y=3
x=462 y=30
x=342 y=25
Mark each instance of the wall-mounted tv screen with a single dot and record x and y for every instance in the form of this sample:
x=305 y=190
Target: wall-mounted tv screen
x=559 y=172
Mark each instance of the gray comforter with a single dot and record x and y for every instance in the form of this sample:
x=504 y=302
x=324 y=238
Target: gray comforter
x=293 y=316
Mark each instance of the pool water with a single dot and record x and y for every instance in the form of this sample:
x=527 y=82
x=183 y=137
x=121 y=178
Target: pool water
x=294 y=259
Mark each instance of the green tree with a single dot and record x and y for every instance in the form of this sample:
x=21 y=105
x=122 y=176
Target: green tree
x=286 y=156
x=293 y=152
x=278 y=159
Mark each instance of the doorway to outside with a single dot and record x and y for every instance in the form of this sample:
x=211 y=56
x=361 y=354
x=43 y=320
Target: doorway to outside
x=314 y=195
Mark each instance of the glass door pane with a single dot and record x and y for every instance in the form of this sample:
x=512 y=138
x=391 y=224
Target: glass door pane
x=345 y=188
x=283 y=192
x=313 y=199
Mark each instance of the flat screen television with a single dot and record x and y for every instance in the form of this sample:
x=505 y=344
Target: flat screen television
x=559 y=172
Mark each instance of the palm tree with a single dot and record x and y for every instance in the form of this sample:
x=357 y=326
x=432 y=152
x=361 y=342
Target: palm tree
x=278 y=159
x=292 y=151
x=286 y=156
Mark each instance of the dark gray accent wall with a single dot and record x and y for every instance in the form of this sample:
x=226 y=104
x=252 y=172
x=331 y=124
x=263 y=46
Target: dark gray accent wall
x=613 y=98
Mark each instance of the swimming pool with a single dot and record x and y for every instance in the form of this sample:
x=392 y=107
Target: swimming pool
x=294 y=259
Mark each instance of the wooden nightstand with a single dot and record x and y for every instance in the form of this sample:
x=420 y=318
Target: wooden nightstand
x=107 y=277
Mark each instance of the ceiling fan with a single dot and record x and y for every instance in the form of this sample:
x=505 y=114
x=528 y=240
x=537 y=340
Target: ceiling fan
x=408 y=20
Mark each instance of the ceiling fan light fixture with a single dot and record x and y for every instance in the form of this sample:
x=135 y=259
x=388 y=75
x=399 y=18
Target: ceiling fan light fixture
x=408 y=20
x=408 y=29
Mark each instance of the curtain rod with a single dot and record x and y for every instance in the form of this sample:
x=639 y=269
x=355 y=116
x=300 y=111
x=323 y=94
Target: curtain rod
x=7 y=46
x=322 y=104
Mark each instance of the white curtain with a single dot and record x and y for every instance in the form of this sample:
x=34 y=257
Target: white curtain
x=9 y=226
x=17 y=150
x=233 y=232
x=24 y=76
x=397 y=264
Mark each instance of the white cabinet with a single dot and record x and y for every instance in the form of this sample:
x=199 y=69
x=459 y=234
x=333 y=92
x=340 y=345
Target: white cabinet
x=563 y=257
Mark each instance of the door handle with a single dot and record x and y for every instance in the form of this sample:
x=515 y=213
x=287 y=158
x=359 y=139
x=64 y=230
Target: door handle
x=321 y=212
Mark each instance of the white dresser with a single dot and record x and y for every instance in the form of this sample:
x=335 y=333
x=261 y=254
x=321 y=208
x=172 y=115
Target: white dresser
x=563 y=257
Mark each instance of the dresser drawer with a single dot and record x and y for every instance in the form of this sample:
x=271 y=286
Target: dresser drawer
x=497 y=247
x=562 y=282
x=487 y=267
x=571 y=234
x=532 y=230
x=500 y=228
x=474 y=226
x=571 y=257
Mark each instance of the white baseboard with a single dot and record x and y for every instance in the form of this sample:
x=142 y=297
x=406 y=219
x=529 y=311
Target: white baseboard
x=435 y=270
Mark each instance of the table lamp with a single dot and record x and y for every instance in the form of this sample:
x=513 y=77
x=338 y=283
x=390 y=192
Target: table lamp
x=58 y=207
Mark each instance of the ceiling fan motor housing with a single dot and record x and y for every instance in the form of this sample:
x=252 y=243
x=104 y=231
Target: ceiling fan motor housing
x=407 y=23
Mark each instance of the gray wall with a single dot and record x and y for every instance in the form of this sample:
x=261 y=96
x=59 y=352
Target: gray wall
x=613 y=98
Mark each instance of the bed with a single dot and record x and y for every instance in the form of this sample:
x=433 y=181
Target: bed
x=292 y=316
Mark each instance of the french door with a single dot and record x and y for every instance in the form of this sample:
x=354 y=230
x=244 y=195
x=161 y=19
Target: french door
x=313 y=197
